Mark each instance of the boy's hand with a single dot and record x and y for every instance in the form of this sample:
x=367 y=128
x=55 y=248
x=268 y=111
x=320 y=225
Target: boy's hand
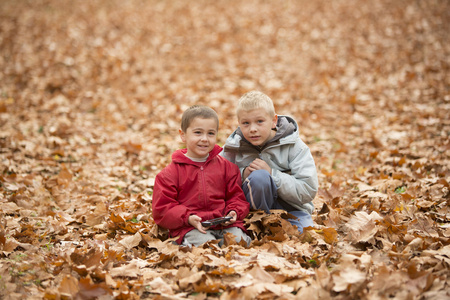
x=258 y=164
x=246 y=173
x=195 y=222
x=233 y=215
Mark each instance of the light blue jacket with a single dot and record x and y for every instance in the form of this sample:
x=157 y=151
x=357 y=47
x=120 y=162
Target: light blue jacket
x=293 y=168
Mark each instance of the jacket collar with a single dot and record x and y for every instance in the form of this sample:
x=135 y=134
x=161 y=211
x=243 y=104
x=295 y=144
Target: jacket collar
x=180 y=157
x=286 y=126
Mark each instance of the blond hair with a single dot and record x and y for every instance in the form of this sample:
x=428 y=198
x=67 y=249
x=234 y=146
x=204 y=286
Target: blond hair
x=254 y=100
x=197 y=111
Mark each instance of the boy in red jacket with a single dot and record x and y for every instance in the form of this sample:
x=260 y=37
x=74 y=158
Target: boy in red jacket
x=199 y=185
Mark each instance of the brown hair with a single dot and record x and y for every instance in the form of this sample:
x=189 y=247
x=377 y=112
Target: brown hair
x=197 y=111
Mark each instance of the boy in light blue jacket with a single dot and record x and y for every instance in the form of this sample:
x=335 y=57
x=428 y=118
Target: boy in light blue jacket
x=277 y=167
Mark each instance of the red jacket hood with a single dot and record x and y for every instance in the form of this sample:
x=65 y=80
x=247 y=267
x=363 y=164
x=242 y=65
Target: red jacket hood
x=179 y=156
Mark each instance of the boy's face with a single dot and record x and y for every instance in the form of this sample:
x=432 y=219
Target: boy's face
x=256 y=125
x=200 y=137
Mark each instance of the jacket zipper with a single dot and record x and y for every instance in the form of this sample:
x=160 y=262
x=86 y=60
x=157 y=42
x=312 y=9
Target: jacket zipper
x=204 y=184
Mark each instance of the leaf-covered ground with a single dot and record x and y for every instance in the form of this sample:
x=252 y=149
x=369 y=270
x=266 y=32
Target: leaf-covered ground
x=91 y=93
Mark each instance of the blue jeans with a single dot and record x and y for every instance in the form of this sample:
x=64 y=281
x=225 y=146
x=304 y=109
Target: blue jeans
x=261 y=192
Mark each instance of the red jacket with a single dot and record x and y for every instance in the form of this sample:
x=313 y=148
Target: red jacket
x=208 y=189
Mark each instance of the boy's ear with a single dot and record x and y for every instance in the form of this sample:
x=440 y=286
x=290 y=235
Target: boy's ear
x=274 y=121
x=182 y=135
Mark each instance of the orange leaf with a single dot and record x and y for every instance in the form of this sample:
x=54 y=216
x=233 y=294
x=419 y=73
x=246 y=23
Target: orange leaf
x=330 y=235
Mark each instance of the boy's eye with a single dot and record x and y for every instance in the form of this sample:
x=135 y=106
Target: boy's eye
x=260 y=121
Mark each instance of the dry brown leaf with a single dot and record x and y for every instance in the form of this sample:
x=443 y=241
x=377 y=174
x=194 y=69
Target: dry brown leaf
x=259 y=274
x=69 y=286
x=158 y=285
x=191 y=279
x=362 y=226
x=131 y=269
x=349 y=276
x=131 y=241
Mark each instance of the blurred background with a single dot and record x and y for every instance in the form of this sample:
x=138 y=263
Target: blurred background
x=103 y=83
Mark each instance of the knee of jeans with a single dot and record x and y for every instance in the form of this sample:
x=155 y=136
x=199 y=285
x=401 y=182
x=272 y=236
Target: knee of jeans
x=260 y=177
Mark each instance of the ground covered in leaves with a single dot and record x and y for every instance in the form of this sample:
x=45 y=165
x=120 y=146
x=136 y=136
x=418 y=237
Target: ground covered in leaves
x=91 y=94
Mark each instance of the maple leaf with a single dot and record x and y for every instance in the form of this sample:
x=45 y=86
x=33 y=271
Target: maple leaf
x=362 y=226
